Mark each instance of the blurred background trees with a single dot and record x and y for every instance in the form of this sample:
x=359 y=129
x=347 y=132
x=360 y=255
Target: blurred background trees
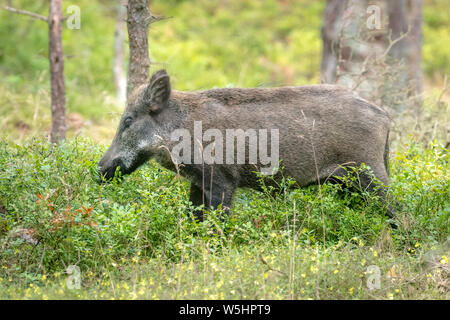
x=56 y=61
x=214 y=43
x=375 y=48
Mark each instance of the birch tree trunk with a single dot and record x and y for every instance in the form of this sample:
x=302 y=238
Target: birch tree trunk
x=56 y=57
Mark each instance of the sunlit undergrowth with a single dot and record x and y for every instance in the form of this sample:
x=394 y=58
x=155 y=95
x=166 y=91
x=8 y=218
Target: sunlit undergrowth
x=133 y=238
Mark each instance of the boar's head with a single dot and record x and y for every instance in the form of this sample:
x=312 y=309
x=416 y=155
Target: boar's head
x=137 y=137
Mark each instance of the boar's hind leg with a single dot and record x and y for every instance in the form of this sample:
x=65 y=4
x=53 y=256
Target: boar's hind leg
x=365 y=182
x=211 y=198
x=381 y=190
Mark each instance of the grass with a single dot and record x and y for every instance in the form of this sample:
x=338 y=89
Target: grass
x=133 y=238
x=334 y=273
x=210 y=44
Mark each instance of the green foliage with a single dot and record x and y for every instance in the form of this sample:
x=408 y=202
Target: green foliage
x=422 y=186
x=436 y=32
x=271 y=44
x=53 y=213
x=88 y=54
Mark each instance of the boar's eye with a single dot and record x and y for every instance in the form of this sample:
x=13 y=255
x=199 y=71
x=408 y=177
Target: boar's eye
x=128 y=121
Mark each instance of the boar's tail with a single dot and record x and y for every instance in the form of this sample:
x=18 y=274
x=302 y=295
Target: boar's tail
x=386 y=153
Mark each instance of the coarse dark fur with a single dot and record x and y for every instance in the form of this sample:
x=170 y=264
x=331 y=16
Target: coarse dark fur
x=322 y=130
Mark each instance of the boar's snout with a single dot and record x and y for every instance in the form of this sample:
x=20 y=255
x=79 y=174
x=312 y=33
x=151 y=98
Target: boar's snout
x=107 y=168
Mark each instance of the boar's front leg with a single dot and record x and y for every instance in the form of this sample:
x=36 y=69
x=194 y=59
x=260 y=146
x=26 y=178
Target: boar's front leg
x=216 y=192
x=196 y=198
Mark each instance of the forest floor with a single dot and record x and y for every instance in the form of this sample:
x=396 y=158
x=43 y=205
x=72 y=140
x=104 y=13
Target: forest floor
x=133 y=238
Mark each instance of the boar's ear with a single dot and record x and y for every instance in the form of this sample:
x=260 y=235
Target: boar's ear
x=158 y=91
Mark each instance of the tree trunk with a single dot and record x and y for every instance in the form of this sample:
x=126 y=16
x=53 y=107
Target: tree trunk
x=404 y=16
x=380 y=63
x=120 y=79
x=58 y=94
x=138 y=23
x=331 y=31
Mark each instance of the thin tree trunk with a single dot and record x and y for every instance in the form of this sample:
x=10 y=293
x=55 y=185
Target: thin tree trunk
x=56 y=57
x=120 y=79
x=138 y=23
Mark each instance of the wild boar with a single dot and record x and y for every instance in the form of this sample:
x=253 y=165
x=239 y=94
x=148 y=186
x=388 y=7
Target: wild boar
x=316 y=131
